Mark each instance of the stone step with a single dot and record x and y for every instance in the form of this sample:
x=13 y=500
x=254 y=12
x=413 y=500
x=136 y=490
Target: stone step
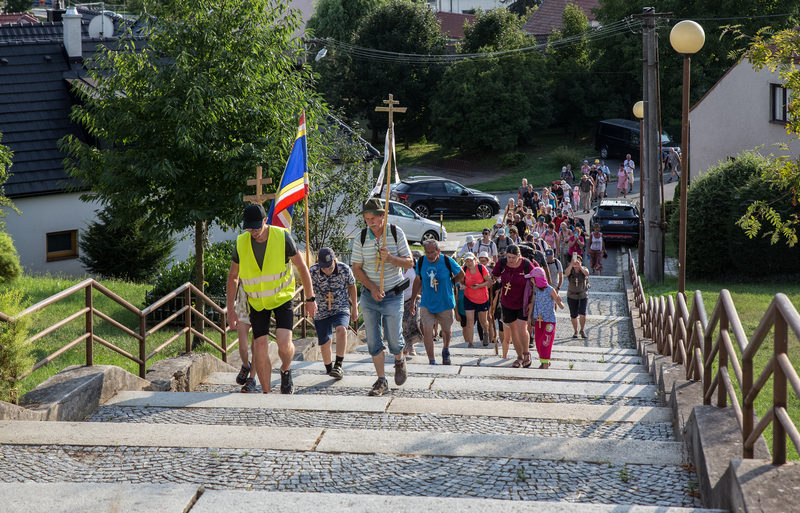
x=462 y=384
x=394 y=405
x=479 y=350
x=179 y=498
x=349 y=482
x=501 y=370
x=492 y=361
x=349 y=441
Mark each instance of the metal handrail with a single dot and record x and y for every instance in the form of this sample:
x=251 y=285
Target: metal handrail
x=689 y=338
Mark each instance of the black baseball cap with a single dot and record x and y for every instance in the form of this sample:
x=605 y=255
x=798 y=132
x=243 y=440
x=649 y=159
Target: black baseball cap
x=254 y=216
x=326 y=258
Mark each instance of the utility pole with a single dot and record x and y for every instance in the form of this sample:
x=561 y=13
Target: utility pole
x=650 y=176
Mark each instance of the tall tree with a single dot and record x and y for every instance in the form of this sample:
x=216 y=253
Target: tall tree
x=17 y=6
x=498 y=29
x=404 y=27
x=186 y=118
x=339 y=19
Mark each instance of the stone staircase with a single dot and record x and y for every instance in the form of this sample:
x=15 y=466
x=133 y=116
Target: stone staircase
x=586 y=435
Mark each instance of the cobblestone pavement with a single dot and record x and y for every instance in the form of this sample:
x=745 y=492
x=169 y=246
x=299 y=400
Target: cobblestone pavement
x=228 y=469
x=470 y=395
x=661 y=432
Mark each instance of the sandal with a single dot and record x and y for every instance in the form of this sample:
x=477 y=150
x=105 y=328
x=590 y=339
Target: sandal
x=517 y=363
x=526 y=360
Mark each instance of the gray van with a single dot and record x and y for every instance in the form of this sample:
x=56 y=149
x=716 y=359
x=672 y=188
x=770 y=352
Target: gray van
x=619 y=137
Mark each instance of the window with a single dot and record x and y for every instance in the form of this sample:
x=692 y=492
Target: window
x=62 y=245
x=402 y=211
x=779 y=100
x=453 y=188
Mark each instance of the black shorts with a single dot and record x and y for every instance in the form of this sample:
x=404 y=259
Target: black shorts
x=509 y=315
x=478 y=307
x=577 y=306
x=260 y=319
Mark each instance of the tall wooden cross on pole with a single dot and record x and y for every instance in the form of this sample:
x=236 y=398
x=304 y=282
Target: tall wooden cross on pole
x=258 y=182
x=391 y=109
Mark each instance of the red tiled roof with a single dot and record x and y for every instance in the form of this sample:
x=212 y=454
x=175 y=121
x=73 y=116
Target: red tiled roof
x=451 y=24
x=18 y=17
x=549 y=16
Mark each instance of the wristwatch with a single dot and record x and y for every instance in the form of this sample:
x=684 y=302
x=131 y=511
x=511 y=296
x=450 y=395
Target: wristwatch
x=311 y=299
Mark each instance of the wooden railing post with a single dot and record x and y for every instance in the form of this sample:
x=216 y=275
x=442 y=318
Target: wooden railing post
x=779 y=389
x=142 y=345
x=89 y=326
x=722 y=392
x=187 y=297
x=224 y=318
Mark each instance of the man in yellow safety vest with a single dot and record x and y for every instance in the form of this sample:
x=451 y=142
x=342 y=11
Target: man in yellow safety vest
x=262 y=260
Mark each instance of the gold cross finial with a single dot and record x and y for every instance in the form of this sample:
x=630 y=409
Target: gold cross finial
x=391 y=109
x=258 y=182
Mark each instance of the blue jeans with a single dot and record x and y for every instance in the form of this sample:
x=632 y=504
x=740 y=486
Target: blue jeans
x=383 y=319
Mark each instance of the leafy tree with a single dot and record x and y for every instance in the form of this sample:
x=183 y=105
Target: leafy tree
x=14 y=354
x=123 y=250
x=17 y=6
x=496 y=101
x=5 y=166
x=10 y=269
x=523 y=8
x=778 y=52
x=404 y=27
x=339 y=19
x=187 y=117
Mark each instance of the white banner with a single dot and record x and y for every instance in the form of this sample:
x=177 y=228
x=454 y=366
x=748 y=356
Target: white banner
x=377 y=191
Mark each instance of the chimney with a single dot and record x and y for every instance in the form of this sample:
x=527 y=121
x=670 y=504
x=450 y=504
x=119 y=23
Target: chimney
x=72 y=34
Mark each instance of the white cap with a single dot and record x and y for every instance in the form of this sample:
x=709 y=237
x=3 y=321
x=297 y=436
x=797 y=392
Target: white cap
x=470 y=238
x=483 y=254
x=535 y=235
x=469 y=254
x=500 y=219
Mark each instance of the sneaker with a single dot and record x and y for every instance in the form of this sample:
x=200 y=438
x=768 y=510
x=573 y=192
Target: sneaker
x=400 y=372
x=583 y=334
x=379 y=387
x=336 y=373
x=287 y=385
x=485 y=340
x=249 y=385
x=445 y=356
x=241 y=378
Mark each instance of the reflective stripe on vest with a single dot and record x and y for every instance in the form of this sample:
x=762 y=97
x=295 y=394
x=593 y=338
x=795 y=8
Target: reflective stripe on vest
x=273 y=285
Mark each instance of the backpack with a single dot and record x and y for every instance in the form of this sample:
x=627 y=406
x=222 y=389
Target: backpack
x=418 y=265
x=525 y=263
x=392 y=228
x=481 y=269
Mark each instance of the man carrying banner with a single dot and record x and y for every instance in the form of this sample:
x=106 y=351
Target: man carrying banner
x=383 y=311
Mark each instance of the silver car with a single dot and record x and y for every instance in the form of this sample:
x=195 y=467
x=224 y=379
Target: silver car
x=416 y=228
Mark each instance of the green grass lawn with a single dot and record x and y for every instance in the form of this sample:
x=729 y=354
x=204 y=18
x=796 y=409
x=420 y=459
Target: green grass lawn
x=751 y=301
x=35 y=289
x=469 y=225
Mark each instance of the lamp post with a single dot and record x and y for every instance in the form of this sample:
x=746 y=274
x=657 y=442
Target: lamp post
x=638 y=111
x=686 y=38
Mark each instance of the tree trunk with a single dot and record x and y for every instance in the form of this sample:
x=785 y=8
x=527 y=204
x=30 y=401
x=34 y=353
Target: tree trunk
x=199 y=270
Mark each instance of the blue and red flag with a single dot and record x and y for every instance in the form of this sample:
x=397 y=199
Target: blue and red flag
x=294 y=183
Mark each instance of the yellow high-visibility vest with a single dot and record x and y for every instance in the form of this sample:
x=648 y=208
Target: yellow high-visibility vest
x=272 y=286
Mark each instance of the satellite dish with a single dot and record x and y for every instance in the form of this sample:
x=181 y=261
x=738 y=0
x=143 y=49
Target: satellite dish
x=101 y=26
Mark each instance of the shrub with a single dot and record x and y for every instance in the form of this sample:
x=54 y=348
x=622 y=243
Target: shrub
x=9 y=259
x=127 y=251
x=217 y=260
x=714 y=244
x=14 y=359
x=564 y=155
x=511 y=159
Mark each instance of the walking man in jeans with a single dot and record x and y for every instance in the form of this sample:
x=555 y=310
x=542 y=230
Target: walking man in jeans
x=338 y=307
x=262 y=260
x=383 y=311
x=436 y=276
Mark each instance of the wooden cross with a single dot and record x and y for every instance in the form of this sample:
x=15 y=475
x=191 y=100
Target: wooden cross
x=391 y=109
x=507 y=287
x=258 y=182
x=329 y=299
x=435 y=284
x=539 y=319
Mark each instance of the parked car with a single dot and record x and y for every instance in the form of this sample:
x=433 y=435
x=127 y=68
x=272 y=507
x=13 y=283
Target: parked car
x=618 y=219
x=429 y=196
x=619 y=137
x=415 y=227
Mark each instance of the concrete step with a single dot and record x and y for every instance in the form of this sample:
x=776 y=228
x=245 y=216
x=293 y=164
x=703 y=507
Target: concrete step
x=393 y=405
x=350 y=441
x=178 y=498
x=462 y=384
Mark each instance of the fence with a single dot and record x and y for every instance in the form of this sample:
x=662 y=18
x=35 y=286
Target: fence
x=688 y=336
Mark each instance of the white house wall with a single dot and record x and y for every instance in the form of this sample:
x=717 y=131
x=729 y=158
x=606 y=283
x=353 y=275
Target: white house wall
x=461 y=6
x=735 y=116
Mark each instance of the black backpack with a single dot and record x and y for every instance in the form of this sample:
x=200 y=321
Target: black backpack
x=392 y=228
x=418 y=265
x=527 y=265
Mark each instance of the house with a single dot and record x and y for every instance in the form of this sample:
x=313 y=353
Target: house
x=39 y=63
x=743 y=110
x=549 y=17
x=465 y=6
x=451 y=24
x=19 y=18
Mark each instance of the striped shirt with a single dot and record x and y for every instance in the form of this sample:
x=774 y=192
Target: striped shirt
x=367 y=254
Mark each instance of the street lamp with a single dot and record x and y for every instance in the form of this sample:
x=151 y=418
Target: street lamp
x=638 y=111
x=686 y=38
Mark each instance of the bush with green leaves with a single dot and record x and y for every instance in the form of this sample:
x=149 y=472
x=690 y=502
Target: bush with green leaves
x=715 y=245
x=564 y=155
x=14 y=359
x=511 y=159
x=9 y=259
x=115 y=247
x=217 y=264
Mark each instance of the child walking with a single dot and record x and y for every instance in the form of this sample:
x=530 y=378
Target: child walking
x=542 y=313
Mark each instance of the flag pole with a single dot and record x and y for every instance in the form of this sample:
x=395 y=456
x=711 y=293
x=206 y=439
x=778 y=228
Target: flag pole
x=386 y=203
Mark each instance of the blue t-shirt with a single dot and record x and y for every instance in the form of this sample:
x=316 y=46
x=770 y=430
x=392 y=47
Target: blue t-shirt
x=437 y=289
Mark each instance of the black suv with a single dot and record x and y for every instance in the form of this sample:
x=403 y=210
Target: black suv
x=619 y=137
x=429 y=195
x=618 y=220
